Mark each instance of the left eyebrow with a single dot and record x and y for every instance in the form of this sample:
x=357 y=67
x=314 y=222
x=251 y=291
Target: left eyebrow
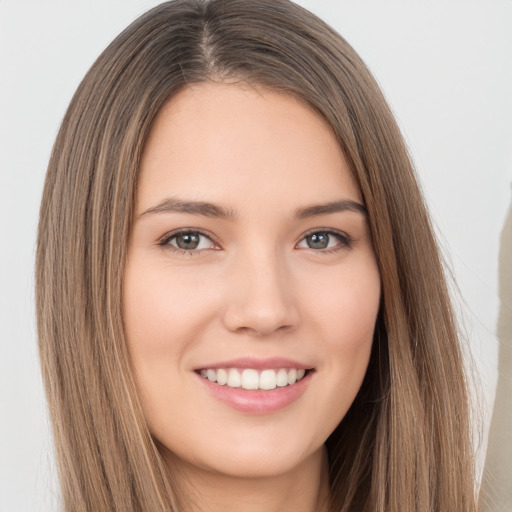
x=332 y=207
x=203 y=208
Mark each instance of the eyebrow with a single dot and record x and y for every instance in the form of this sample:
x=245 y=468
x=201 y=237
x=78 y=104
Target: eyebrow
x=174 y=205
x=331 y=207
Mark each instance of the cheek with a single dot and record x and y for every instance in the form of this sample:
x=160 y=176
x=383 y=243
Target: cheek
x=346 y=303
x=343 y=317
x=163 y=318
x=163 y=310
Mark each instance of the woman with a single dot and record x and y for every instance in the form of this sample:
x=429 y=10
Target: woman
x=240 y=299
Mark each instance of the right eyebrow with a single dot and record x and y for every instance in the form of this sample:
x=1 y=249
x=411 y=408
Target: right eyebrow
x=203 y=208
x=343 y=205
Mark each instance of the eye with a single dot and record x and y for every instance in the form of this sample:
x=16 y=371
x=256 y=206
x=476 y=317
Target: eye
x=325 y=241
x=188 y=241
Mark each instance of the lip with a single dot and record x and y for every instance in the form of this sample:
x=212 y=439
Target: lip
x=258 y=364
x=257 y=402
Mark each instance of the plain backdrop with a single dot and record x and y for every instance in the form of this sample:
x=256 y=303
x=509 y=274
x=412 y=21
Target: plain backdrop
x=446 y=69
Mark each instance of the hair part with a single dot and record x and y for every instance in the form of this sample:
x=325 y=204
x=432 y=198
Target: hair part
x=405 y=442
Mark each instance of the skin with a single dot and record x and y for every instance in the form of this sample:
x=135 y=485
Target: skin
x=254 y=287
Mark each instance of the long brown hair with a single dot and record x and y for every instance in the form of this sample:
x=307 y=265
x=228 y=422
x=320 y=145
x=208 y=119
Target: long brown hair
x=405 y=443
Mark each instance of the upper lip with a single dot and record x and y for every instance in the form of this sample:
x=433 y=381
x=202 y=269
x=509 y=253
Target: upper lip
x=256 y=363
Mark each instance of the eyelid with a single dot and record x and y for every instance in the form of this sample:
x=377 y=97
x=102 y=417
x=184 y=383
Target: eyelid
x=163 y=241
x=346 y=240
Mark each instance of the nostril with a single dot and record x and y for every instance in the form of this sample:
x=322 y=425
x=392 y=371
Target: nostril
x=263 y=306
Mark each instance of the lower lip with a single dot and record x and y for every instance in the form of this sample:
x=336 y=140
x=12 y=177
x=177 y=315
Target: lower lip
x=258 y=401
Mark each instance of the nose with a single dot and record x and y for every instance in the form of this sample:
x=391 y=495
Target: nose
x=260 y=299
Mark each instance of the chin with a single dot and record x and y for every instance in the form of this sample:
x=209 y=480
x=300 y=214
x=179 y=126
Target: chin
x=247 y=460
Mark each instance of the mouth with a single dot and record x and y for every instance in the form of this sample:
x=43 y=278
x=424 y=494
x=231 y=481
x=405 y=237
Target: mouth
x=253 y=379
x=256 y=386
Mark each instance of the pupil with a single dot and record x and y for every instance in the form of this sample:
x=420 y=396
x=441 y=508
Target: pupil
x=318 y=241
x=187 y=241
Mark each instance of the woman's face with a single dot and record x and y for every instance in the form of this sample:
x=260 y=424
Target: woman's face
x=251 y=289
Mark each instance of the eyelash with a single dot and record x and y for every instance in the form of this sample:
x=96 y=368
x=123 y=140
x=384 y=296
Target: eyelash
x=165 y=241
x=345 y=241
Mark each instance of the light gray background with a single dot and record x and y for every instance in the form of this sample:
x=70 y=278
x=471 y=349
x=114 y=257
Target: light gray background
x=446 y=68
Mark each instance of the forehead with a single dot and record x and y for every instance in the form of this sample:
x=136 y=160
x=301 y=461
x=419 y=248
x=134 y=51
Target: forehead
x=226 y=142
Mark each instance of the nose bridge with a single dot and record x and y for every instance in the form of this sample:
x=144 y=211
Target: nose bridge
x=261 y=300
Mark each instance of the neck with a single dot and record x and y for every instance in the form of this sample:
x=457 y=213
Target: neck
x=302 y=489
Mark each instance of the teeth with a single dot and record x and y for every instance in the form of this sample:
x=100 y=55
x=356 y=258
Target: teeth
x=268 y=379
x=222 y=377
x=251 y=379
x=234 y=378
x=282 y=378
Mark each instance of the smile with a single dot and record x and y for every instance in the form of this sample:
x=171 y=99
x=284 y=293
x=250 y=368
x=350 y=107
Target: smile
x=253 y=379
